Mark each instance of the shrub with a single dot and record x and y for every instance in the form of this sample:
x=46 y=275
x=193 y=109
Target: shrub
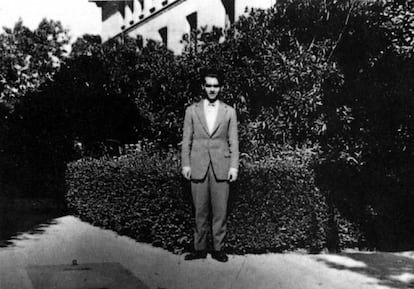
x=275 y=205
x=137 y=195
x=369 y=139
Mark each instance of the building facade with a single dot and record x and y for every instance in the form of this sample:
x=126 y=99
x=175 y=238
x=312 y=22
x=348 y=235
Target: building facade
x=168 y=20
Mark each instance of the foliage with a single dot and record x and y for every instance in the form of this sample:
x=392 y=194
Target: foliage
x=29 y=58
x=95 y=111
x=274 y=80
x=77 y=106
x=135 y=195
x=334 y=76
x=87 y=45
x=274 y=207
x=275 y=84
x=398 y=19
x=365 y=102
x=145 y=78
x=369 y=137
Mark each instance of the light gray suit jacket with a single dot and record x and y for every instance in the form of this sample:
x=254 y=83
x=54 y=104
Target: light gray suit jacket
x=199 y=148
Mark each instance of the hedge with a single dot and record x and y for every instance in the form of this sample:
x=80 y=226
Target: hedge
x=274 y=207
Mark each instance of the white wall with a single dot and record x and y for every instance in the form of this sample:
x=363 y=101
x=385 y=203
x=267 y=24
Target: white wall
x=137 y=11
x=128 y=16
x=111 y=27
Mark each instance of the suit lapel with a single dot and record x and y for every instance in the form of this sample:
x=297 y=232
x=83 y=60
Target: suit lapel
x=220 y=116
x=201 y=115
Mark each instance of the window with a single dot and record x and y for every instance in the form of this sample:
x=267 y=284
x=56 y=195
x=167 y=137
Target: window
x=192 y=20
x=142 y=4
x=109 y=9
x=164 y=35
x=230 y=10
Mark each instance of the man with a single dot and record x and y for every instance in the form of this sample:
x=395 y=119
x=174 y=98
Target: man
x=210 y=160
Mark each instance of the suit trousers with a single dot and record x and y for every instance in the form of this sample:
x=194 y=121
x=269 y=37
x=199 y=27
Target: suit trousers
x=209 y=193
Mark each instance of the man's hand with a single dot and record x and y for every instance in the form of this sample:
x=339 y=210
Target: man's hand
x=186 y=173
x=232 y=174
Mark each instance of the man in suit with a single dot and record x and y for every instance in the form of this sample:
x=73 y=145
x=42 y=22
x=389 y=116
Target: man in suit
x=210 y=160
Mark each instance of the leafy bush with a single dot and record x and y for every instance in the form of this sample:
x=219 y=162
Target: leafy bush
x=275 y=205
x=369 y=139
x=138 y=195
x=333 y=74
x=28 y=58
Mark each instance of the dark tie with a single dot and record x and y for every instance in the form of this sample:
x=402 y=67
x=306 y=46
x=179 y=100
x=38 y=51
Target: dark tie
x=213 y=104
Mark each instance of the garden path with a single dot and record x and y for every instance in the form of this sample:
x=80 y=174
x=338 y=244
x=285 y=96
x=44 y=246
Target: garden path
x=69 y=253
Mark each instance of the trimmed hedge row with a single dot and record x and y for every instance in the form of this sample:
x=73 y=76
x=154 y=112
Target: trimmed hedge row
x=275 y=205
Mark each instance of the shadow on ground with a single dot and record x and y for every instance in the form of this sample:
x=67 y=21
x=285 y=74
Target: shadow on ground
x=31 y=216
x=390 y=269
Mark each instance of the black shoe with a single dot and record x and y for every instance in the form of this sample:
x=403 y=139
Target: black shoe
x=219 y=256
x=195 y=255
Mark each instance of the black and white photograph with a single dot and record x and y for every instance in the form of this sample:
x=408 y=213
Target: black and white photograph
x=206 y=144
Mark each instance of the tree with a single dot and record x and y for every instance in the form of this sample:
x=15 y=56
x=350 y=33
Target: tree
x=398 y=19
x=88 y=44
x=29 y=58
x=369 y=139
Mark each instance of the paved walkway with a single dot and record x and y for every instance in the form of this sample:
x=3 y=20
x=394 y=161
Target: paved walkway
x=69 y=240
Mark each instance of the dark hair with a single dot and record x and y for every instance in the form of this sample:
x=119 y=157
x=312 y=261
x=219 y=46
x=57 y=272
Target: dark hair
x=211 y=72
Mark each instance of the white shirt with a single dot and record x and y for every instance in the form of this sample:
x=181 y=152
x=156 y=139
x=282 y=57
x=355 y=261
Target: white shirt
x=210 y=111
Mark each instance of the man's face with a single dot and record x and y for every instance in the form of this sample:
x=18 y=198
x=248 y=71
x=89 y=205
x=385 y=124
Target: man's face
x=212 y=87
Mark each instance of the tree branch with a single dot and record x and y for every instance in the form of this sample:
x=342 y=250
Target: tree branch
x=343 y=29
